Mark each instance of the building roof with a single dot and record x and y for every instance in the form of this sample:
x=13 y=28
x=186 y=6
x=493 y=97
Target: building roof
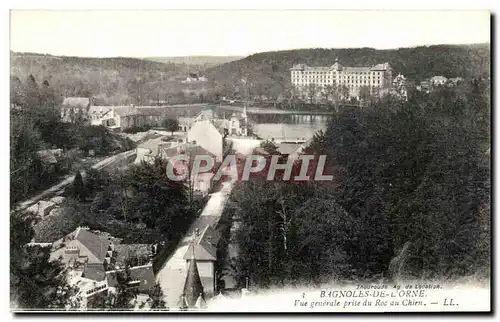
x=206 y=114
x=357 y=69
x=154 y=145
x=338 y=66
x=57 y=200
x=384 y=66
x=100 y=110
x=434 y=78
x=204 y=246
x=80 y=102
x=143 y=273
x=193 y=287
x=97 y=245
x=47 y=156
x=41 y=208
x=141 y=252
x=189 y=149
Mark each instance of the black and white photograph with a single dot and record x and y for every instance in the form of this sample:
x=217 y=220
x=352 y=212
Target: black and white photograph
x=250 y=161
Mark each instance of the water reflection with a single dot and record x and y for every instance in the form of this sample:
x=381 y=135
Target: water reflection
x=289 y=126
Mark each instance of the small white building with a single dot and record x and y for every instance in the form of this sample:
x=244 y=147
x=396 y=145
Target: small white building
x=438 y=80
x=206 y=135
x=399 y=87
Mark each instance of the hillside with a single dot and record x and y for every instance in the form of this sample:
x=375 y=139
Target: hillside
x=141 y=81
x=268 y=73
x=196 y=62
x=116 y=80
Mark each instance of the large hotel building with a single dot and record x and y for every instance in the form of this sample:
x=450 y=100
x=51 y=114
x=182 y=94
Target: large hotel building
x=378 y=78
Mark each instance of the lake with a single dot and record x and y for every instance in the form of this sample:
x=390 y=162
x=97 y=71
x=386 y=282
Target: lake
x=290 y=126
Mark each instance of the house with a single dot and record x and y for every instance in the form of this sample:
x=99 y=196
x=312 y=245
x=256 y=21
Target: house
x=424 y=86
x=102 y=115
x=204 y=115
x=58 y=200
x=90 y=291
x=153 y=116
x=142 y=277
x=128 y=117
x=399 y=87
x=86 y=249
x=438 y=81
x=207 y=136
x=185 y=123
x=42 y=208
x=75 y=108
x=149 y=150
x=455 y=81
x=194 y=78
x=308 y=79
x=158 y=148
x=237 y=124
x=203 y=252
x=98 y=255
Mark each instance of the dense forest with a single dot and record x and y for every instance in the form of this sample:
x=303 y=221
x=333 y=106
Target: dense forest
x=195 y=64
x=115 y=81
x=268 y=73
x=410 y=198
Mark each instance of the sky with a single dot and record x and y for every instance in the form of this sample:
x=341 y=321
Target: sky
x=236 y=33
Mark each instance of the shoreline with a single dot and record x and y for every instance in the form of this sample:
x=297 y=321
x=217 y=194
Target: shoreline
x=265 y=110
x=238 y=108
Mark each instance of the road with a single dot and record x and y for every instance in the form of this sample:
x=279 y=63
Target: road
x=172 y=275
x=58 y=188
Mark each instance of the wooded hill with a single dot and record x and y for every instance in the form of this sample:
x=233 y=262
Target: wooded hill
x=137 y=81
x=195 y=63
x=118 y=80
x=268 y=72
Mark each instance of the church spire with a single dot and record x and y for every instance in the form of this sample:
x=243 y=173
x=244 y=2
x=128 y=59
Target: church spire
x=193 y=288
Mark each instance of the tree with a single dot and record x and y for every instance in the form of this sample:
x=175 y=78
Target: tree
x=96 y=138
x=286 y=230
x=124 y=292
x=171 y=125
x=157 y=298
x=78 y=188
x=31 y=99
x=332 y=93
x=16 y=91
x=269 y=147
x=365 y=94
x=35 y=282
x=344 y=92
x=312 y=91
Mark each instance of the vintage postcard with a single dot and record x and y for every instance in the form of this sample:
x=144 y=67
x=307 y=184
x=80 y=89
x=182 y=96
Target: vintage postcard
x=250 y=161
